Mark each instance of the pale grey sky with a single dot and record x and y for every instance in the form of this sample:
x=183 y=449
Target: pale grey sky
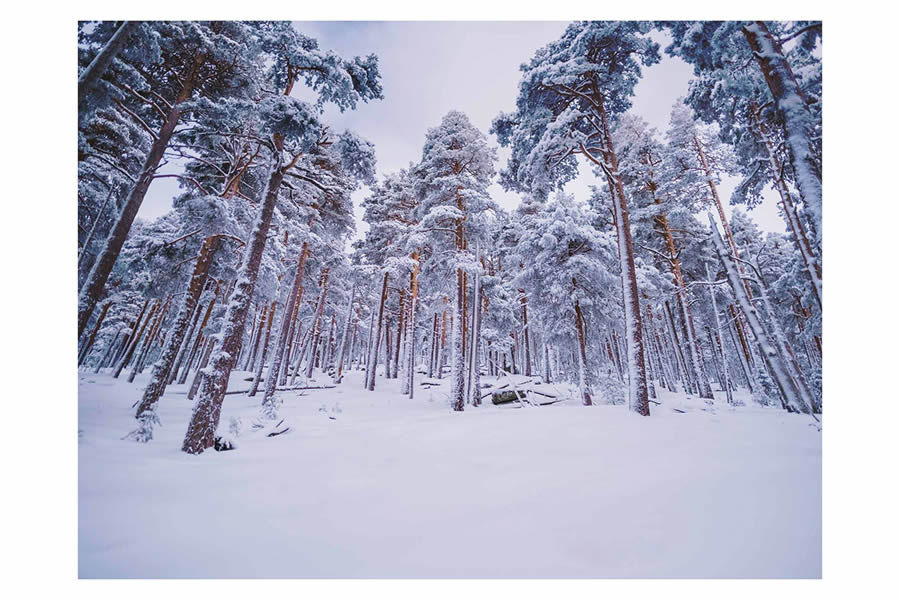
x=431 y=67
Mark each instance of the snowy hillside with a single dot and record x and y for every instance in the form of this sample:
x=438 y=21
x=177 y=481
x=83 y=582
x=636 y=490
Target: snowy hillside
x=380 y=485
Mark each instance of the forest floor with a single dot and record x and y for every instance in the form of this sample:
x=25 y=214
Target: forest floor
x=373 y=484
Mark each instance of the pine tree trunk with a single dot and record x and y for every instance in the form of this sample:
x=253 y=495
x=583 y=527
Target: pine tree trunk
x=793 y=399
x=637 y=378
x=583 y=383
x=400 y=324
x=186 y=343
x=524 y=301
x=789 y=99
x=411 y=326
x=474 y=388
x=137 y=338
x=712 y=299
x=205 y=418
x=254 y=387
x=209 y=309
x=345 y=339
x=89 y=342
x=316 y=327
x=376 y=340
x=146 y=411
x=286 y=323
x=138 y=366
x=250 y=365
x=209 y=346
x=458 y=382
x=789 y=212
x=96 y=280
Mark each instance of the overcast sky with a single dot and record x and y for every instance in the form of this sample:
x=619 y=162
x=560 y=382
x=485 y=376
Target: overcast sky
x=430 y=68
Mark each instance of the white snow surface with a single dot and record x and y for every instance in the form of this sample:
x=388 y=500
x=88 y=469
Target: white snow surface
x=372 y=484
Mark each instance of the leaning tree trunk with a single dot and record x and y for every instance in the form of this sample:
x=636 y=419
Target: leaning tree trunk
x=97 y=67
x=281 y=341
x=345 y=339
x=96 y=280
x=793 y=398
x=265 y=349
x=797 y=118
x=812 y=268
x=201 y=432
x=693 y=355
x=89 y=342
x=372 y=362
x=197 y=340
x=186 y=343
x=726 y=383
x=146 y=411
x=132 y=346
x=584 y=386
x=316 y=327
x=138 y=365
x=527 y=357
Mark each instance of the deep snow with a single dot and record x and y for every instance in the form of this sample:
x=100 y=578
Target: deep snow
x=372 y=484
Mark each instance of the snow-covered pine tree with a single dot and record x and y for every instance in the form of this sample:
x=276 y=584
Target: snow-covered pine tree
x=452 y=179
x=569 y=95
x=295 y=131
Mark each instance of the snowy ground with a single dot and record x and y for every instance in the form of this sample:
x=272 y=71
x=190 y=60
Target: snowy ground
x=377 y=485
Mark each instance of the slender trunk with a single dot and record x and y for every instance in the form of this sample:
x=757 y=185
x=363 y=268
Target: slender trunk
x=148 y=341
x=250 y=365
x=186 y=344
x=789 y=212
x=346 y=337
x=793 y=398
x=265 y=350
x=474 y=365
x=715 y=309
x=209 y=346
x=400 y=324
x=209 y=310
x=146 y=411
x=373 y=356
x=524 y=301
x=316 y=327
x=89 y=342
x=689 y=382
x=137 y=338
x=283 y=335
x=411 y=327
x=584 y=386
